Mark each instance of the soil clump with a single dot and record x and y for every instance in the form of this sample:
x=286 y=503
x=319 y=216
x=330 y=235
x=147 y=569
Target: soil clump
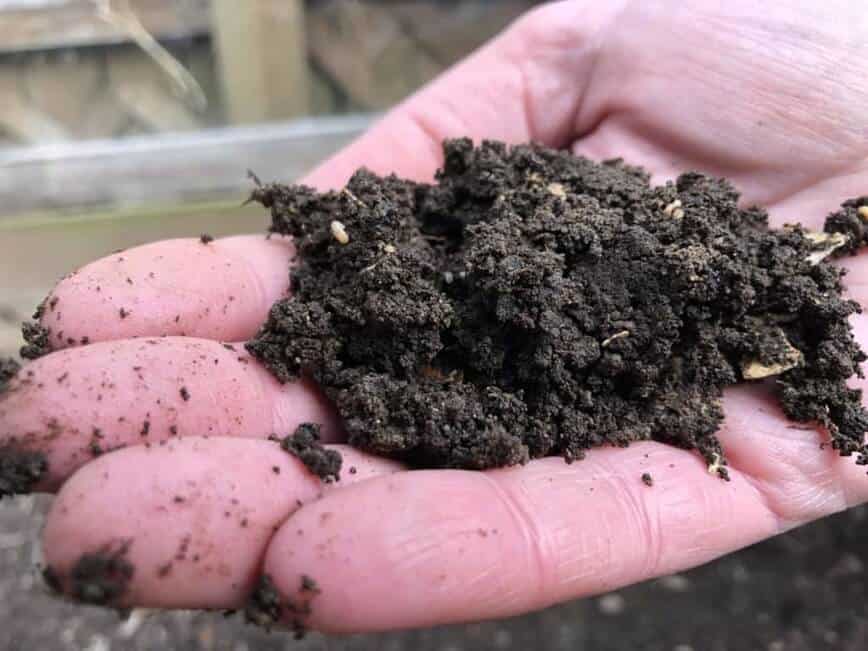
x=532 y=303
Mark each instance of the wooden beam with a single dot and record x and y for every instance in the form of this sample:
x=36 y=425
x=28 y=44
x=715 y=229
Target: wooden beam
x=23 y=121
x=69 y=23
x=263 y=58
x=366 y=50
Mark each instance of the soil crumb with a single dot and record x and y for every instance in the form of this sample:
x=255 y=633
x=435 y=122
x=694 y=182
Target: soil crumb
x=206 y=238
x=20 y=470
x=101 y=578
x=647 y=479
x=8 y=369
x=52 y=580
x=533 y=303
x=305 y=444
x=266 y=608
x=309 y=585
x=36 y=340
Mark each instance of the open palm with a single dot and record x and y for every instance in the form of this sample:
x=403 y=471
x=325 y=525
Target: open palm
x=771 y=95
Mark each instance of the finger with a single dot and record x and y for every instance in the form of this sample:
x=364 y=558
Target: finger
x=800 y=477
x=195 y=514
x=76 y=404
x=525 y=85
x=460 y=546
x=220 y=290
x=470 y=546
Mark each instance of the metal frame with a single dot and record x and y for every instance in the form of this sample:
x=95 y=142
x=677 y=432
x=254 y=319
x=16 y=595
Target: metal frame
x=165 y=168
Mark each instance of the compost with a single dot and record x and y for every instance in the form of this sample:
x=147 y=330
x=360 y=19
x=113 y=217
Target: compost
x=531 y=303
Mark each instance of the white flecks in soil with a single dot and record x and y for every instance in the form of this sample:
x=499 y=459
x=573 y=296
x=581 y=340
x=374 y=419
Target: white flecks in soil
x=339 y=232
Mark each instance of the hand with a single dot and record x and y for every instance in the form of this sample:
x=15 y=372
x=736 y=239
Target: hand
x=771 y=96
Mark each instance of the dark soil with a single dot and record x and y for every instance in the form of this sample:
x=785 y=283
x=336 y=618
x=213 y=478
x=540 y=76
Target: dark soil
x=36 y=338
x=8 y=369
x=102 y=577
x=533 y=303
x=305 y=444
x=20 y=470
x=266 y=607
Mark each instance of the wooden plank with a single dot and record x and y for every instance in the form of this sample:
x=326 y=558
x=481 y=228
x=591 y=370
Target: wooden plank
x=62 y=87
x=263 y=58
x=67 y=23
x=450 y=31
x=366 y=50
x=144 y=91
x=201 y=166
x=21 y=120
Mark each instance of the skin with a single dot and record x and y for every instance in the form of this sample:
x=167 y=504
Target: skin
x=771 y=95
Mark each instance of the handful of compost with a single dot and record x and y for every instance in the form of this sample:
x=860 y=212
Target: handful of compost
x=533 y=303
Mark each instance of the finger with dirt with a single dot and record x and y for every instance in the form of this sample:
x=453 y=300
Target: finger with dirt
x=75 y=405
x=220 y=289
x=184 y=524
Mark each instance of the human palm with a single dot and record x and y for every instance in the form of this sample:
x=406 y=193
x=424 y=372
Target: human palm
x=771 y=97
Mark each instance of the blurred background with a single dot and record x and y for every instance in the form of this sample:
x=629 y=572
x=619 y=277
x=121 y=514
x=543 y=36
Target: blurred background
x=123 y=122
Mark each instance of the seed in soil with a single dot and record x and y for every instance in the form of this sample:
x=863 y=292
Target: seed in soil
x=537 y=303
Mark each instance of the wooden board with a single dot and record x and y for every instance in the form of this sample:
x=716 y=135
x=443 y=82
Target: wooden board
x=66 y=23
x=263 y=58
x=450 y=31
x=368 y=53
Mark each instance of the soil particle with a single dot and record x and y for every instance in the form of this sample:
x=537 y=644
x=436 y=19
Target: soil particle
x=305 y=444
x=533 y=303
x=8 y=369
x=647 y=479
x=309 y=585
x=851 y=220
x=52 y=579
x=185 y=394
x=266 y=608
x=20 y=470
x=36 y=338
x=101 y=578
x=206 y=238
